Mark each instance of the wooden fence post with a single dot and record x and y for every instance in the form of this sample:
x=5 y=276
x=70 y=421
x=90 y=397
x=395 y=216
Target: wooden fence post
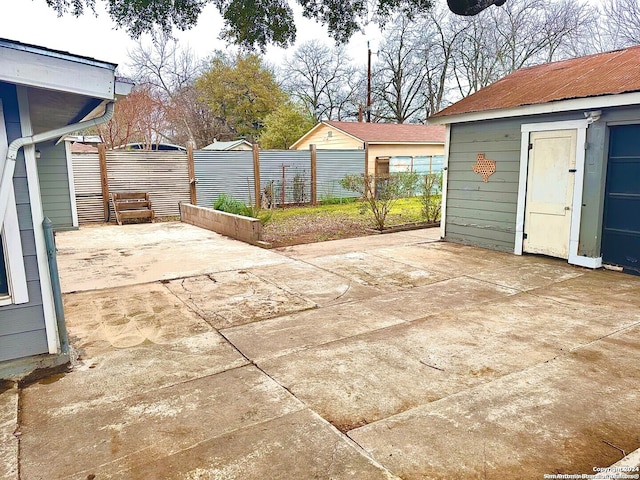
x=314 y=175
x=256 y=175
x=192 y=174
x=104 y=178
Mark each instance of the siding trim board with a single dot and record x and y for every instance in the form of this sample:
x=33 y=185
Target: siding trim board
x=445 y=180
x=37 y=216
x=576 y=208
x=10 y=236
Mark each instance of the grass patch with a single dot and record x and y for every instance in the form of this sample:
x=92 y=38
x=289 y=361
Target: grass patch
x=294 y=225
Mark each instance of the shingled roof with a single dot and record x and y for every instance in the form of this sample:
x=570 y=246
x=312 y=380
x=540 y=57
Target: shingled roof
x=391 y=132
x=591 y=76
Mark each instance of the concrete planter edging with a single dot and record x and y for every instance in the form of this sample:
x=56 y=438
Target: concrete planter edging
x=242 y=228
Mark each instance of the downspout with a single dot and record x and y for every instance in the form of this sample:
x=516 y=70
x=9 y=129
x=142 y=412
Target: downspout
x=5 y=188
x=12 y=153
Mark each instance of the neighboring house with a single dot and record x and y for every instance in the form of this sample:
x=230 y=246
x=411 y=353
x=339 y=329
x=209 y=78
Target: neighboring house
x=388 y=146
x=44 y=94
x=163 y=147
x=547 y=161
x=233 y=145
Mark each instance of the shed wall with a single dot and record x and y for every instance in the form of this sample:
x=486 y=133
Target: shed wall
x=22 y=327
x=484 y=214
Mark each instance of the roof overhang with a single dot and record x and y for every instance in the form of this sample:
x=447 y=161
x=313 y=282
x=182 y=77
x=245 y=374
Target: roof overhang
x=38 y=67
x=317 y=127
x=587 y=103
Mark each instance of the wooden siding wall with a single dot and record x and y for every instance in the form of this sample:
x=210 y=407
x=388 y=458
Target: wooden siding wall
x=22 y=329
x=484 y=214
x=54 y=185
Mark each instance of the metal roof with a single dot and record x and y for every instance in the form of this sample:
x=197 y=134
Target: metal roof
x=597 y=75
x=391 y=132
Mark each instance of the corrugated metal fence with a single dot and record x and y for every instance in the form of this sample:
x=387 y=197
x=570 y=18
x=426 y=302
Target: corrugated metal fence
x=86 y=179
x=164 y=175
x=285 y=175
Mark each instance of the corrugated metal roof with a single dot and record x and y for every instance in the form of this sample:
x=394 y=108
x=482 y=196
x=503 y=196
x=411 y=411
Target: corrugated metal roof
x=226 y=145
x=391 y=132
x=591 y=76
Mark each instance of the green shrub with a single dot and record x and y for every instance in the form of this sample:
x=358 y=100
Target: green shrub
x=226 y=203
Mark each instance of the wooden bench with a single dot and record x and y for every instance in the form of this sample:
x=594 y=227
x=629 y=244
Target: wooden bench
x=132 y=205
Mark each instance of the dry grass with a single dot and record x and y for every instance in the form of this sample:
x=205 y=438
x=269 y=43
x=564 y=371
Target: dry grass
x=292 y=226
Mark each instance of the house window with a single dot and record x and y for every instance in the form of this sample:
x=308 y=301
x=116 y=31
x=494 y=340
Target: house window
x=4 y=283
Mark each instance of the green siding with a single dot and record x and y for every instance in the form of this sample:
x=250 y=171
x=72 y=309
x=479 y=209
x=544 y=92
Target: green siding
x=54 y=185
x=478 y=213
x=484 y=214
x=22 y=329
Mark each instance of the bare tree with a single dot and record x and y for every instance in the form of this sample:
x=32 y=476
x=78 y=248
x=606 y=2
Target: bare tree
x=521 y=33
x=323 y=79
x=400 y=74
x=622 y=22
x=170 y=71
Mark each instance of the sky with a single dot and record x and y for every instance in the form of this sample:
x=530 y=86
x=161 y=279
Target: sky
x=97 y=37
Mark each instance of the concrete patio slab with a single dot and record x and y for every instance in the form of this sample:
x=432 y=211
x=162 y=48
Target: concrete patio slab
x=140 y=429
x=226 y=299
x=314 y=283
x=361 y=244
x=8 y=425
x=101 y=321
x=290 y=333
x=457 y=293
x=505 y=367
x=118 y=374
x=147 y=252
x=561 y=416
x=300 y=445
x=373 y=271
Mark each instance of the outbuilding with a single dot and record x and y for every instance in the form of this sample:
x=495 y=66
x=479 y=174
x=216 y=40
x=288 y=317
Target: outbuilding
x=547 y=161
x=388 y=147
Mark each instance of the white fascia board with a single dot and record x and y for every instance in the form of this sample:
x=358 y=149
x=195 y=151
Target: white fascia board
x=294 y=146
x=587 y=103
x=373 y=142
x=59 y=74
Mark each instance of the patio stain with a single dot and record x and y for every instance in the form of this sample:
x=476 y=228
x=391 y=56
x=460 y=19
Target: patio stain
x=228 y=299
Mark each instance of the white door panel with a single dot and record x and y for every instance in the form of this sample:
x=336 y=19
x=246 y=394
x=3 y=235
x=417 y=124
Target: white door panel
x=550 y=180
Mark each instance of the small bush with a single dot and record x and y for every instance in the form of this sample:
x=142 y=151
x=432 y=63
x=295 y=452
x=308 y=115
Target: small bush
x=431 y=196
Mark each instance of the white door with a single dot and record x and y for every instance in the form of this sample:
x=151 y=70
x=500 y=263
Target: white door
x=550 y=179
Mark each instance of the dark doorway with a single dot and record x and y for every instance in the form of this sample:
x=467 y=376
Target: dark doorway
x=621 y=224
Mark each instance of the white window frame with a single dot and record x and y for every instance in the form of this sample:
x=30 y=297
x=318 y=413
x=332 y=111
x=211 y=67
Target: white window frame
x=12 y=245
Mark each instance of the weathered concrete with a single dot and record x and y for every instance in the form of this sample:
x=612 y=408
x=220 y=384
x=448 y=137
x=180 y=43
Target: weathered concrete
x=8 y=431
x=104 y=257
x=553 y=418
x=440 y=361
x=227 y=299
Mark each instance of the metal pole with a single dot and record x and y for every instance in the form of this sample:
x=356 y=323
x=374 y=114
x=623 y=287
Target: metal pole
x=55 y=285
x=368 y=83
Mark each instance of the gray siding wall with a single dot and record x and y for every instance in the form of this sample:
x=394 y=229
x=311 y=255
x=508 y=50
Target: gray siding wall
x=484 y=214
x=54 y=185
x=22 y=329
